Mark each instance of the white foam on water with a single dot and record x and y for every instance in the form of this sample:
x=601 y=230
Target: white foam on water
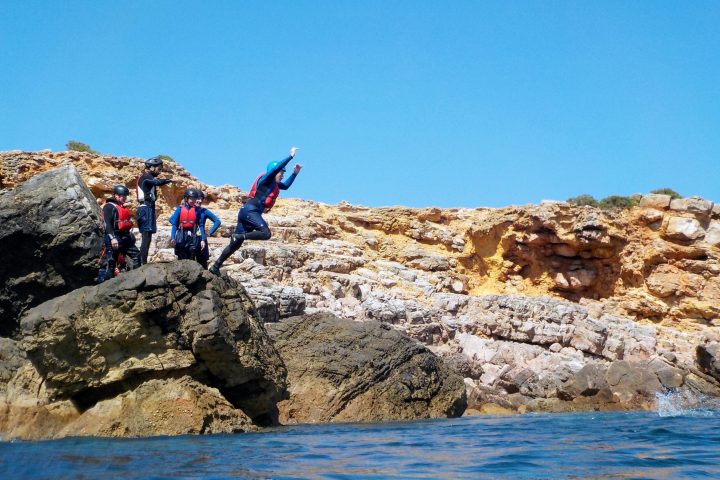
x=683 y=402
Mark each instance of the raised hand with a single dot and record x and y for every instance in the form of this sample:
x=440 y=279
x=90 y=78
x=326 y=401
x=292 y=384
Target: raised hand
x=297 y=168
x=293 y=151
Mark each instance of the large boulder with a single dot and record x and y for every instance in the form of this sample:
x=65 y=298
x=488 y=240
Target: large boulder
x=51 y=242
x=342 y=370
x=708 y=359
x=124 y=346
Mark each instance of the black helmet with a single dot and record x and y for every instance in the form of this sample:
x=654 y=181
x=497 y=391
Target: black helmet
x=201 y=194
x=121 y=190
x=153 y=162
x=192 y=193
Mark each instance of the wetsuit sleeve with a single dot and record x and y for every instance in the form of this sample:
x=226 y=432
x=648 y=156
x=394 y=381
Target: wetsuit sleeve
x=109 y=218
x=216 y=222
x=271 y=174
x=200 y=216
x=285 y=184
x=147 y=184
x=174 y=219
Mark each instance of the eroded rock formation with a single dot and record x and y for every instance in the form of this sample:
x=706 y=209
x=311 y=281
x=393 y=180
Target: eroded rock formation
x=167 y=342
x=341 y=370
x=545 y=306
x=51 y=241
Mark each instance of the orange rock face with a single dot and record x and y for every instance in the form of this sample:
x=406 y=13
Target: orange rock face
x=650 y=263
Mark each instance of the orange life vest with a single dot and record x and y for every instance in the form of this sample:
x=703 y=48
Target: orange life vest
x=124 y=221
x=188 y=217
x=269 y=200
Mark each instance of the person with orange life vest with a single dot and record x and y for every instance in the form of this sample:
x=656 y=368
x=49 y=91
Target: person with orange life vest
x=203 y=255
x=263 y=194
x=117 y=223
x=147 y=195
x=186 y=235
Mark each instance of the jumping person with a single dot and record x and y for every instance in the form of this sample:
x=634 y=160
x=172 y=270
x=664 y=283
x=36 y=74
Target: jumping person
x=186 y=236
x=203 y=256
x=147 y=195
x=117 y=223
x=264 y=192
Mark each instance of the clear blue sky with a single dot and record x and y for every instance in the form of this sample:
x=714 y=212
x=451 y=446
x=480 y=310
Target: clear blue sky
x=418 y=103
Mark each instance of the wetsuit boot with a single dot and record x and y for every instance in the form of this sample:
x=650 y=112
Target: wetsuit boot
x=236 y=241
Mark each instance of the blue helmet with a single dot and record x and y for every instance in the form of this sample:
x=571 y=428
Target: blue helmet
x=271 y=166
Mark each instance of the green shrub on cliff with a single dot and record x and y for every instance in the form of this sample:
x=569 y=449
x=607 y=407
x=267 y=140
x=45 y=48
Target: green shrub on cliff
x=75 y=146
x=616 y=202
x=583 y=200
x=668 y=191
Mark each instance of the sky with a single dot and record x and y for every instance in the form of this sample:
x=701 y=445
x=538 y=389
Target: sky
x=415 y=103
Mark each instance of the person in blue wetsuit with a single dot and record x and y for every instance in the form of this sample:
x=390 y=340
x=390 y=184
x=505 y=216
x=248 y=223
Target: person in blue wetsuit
x=186 y=236
x=264 y=192
x=203 y=255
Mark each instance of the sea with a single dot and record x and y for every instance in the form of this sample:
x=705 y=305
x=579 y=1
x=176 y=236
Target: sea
x=672 y=442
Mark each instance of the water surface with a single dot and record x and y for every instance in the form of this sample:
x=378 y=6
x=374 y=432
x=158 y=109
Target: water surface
x=587 y=445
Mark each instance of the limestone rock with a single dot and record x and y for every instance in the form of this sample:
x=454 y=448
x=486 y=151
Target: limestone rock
x=158 y=321
x=161 y=407
x=708 y=359
x=50 y=230
x=655 y=200
x=684 y=229
x=630 y=382
x=341 y=370
x=712 y=234
x=692 y=204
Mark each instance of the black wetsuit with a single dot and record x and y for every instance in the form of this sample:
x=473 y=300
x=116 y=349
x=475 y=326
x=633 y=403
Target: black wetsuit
x=126 y=242
x=147 y=223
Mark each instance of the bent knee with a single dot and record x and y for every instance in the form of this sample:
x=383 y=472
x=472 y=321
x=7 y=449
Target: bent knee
x=266 y=234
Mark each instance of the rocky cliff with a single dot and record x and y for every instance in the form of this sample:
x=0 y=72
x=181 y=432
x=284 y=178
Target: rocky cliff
x=545 y=306
x=168 y=348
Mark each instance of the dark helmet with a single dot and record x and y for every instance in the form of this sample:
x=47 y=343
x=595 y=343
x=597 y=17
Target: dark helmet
x=201 y=194
x=192 y=193
x=153 y=162
x=121 y=190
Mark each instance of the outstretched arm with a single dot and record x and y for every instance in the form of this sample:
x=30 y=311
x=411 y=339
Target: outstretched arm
x=216 y=222
x=285 y=184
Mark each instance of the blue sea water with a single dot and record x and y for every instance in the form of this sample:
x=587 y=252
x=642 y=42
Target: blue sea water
x=579 y=445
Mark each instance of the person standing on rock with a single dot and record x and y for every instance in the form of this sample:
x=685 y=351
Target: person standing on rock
x=147 y=195
x=203 y=255
x=264 y=192
x=186 y=235
x=117 y=223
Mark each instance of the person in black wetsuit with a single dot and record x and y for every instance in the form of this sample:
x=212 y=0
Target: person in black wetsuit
x=117 y=223
x=147 y=195
x=264 y=192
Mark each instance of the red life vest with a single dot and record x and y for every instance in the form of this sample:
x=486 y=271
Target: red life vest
x=124 y=220
x=271 y=197
x=188 y=217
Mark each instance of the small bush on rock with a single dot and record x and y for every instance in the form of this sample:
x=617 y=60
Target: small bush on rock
x=617 y=202
x=668 y=191
x=583 y=200
x=75 y=146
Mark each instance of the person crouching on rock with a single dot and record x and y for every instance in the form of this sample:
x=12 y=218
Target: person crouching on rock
x=186 y=236
x=203 y=255
x=147 y=195
x=117 y=223
x=264 y=192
